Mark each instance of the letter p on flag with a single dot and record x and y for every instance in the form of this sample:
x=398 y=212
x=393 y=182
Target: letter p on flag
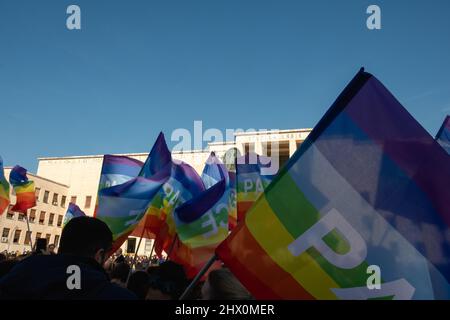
x=313 y=237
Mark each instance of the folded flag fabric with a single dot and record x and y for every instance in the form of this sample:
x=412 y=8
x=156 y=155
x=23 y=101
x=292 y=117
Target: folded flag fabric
x=214 y=171
x=367 y=190
x=122 y=206
x=23 y=188
x=251 y=181
x=201 y=224
x=4 y=189
x=73 y=211
x=117 y=170
x=203 y=220
x=443 y=135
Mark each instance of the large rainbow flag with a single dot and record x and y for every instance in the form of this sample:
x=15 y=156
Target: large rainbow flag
x=23 y=188
x=73 y=211
x=368 y=187
x=443 y=135
x=4 y=189
x=251 y=181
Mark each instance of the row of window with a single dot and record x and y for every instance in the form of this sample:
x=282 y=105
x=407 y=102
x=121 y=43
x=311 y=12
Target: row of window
x=28 y=234
x=87 y=201
x=32 y=217
x=55 y=197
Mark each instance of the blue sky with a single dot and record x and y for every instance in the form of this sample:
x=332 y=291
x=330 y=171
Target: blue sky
x=139 y=67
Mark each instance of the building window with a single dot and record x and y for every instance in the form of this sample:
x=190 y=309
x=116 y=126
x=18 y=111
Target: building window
x=42 y=217
x=51 y=218
x=36 y=193
x=32 y=215
x=10 y=213
x=47 y=237
x=73 y=199
x=267 y=149
x=5 y=233
x=63 y=201
x=60 y=219
x=38 y=235
x=55 y=199
x=17 y=236
x=87 y=203
x=46 y=194
x=21 y=216
x=249 y=148
x=56 y=242
x=283 y=152
x=28 y=237
x=131 y=245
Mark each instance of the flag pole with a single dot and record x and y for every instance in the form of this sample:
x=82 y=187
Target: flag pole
x=198 y=277
x=172 y=246
x=135 y=256
x=29 y=231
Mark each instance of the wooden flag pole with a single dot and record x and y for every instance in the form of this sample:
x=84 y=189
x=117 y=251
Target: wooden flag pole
x=198 y=277
x=135 y=257
x=29 y=231
x=172 y=246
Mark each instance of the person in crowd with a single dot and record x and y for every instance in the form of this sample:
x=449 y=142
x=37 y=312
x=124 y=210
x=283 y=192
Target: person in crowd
x=167 y=281
x=139 y=283
x=119 y=274
x=51 y=249
x=74 y=273
x=119 y=256
x=221 y=284
x=2 y=257
x=6 y=266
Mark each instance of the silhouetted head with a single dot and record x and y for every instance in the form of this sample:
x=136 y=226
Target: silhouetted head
x=221 y=284
x=167 y=281
x=86 y=237
x=139 y=284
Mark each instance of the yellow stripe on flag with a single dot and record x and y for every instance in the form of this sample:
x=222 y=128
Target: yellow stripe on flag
x=274 y=239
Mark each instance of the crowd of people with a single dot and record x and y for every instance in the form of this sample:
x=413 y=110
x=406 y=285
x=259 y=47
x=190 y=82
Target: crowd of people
x=85 y=243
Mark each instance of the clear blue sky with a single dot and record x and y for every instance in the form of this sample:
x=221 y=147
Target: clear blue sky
x=138 y=67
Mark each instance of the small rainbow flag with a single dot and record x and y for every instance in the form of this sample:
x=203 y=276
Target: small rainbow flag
x=4 y=189
x=443 y=135
x=368 y=190
x=73 y=211
x=251 y=181
x=23 y=188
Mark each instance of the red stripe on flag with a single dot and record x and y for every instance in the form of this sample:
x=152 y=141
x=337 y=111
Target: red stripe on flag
x=255 y=268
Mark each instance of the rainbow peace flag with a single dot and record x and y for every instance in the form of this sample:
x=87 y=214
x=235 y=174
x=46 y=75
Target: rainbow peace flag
x=369 y=187
x=4 y=189
x=443 y=135
x=183 y=183
x=214 y=172
x=122 y=206
x=203 y=220
x=251 y=181
x=201 y=224
x=23 y=188
x=73 y=211
x=117 y=170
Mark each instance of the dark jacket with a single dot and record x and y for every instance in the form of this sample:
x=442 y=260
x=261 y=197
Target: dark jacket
x=45 y=277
